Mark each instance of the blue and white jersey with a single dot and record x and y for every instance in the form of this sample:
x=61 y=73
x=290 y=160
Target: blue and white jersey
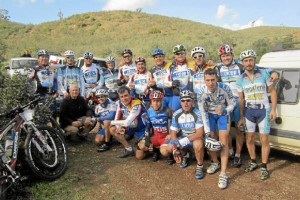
x=68 y=76
x=46 y=78
x=186 y=124
x=183 y=74
x=109 y=79
x=161 y=75
x=230 y=74
x=106 y=111
x=159 y=120
x=256 y=90
x=222 y=97
x=140 y=81
x=91 y=75
x=126 y=70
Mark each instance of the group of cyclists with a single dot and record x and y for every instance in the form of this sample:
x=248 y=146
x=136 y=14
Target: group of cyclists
x=175 y=109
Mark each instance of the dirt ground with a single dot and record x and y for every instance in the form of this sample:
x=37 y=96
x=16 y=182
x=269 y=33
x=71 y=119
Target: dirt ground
x=104 y=176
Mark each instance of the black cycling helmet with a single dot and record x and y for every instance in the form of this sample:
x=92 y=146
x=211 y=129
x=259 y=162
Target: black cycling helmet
x=127 y=51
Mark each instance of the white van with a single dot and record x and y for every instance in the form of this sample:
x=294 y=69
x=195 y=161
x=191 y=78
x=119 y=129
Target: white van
x=285 y=130
x=20 y=65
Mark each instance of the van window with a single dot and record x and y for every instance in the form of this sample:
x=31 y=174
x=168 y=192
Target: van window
x=287 y=87
x=18 y=64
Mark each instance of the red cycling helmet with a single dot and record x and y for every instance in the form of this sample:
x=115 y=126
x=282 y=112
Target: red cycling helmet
x=225 y=48
x=156 y=94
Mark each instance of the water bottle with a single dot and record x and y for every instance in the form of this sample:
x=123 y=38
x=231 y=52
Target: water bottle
x=9 y=144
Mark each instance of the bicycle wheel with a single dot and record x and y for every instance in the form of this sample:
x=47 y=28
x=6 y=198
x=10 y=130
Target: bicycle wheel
x=49 y=165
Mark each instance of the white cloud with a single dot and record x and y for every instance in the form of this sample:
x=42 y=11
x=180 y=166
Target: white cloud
x=126 y=4
x=254 y=23
x=221 y=11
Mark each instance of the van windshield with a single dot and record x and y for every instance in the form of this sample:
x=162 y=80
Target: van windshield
x=19 y=64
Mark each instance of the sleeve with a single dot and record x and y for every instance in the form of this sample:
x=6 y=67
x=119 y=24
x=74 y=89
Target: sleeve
x=199 y=122
x=148 y=123
x=64 y=119
x=203 y=110
x=134 y=113
x=229 y=99
x=81 y=83
x=100 y=81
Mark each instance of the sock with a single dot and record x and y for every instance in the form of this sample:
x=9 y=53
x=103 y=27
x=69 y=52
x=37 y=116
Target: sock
x=237 y=155
x=199 y=165
x=253 y=160
x=223 y=174
x=231 y=151
x=128 y=148
x=263 y=165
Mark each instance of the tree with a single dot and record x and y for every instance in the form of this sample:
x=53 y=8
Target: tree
x=4 y=14
x=60 y=15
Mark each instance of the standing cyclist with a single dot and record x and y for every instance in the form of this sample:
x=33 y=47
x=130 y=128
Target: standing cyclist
x=255 y=109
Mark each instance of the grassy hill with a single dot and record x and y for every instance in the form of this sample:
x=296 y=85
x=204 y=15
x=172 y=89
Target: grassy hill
x=108 y=33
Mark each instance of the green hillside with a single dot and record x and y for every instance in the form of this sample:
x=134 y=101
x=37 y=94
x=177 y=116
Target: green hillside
x=108 y=33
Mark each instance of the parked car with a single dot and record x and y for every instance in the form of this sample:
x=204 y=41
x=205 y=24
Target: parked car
x=20 y=65
x=285 y=130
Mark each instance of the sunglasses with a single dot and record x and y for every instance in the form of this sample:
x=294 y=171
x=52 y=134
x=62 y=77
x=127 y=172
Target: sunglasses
x=186 y=100
x=179 y=53
x=199 y=56
x=101 y=97
x=88 y=58
x=127 y=56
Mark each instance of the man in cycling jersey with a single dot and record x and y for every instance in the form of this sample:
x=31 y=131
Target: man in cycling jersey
x=157 y=128
x=160 y=77
x=45 y=77
x=105 y=112
x=187 y=132
x=253 y=87
x=200 y=66
x=138 y=82
x=131 y=118
x=180 y=74
x=109 y=78
x=216 y=100
x=229 y=71
x=91 y=74
x=127 y=67
x=69 y=75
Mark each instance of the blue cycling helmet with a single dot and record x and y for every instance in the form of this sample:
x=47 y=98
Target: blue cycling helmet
x=88 y=54
x=157 y=52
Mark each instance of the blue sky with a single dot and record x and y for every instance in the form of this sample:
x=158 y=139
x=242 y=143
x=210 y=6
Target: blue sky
x=231 y=14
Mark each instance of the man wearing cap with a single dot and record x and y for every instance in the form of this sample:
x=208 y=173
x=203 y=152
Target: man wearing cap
x=127 y=67
x=91 y=74
x=187 y=132
x=69 y=75
x=253 y=87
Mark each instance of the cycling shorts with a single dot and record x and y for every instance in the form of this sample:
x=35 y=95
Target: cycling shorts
x=221 y=120
x=138 y=134
x=158 y=140
x=172 y=102
x=101 y=131
x=260 y=117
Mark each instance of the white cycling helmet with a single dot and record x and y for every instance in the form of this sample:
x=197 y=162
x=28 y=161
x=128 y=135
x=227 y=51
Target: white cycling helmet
x=212 y=144
x=198 y=50
x=101 y=92
x=247 y=53
x=69 y=53
x=187 y=94
x=110 y=59
x=88 y=54
x=42 y=52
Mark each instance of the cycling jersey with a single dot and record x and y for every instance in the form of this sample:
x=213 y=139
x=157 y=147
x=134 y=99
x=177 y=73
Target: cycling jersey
x=106 y=111
x=140 y=81
x=46 y=78
x=109 y=79
x=183 y=73
x=198 y=78
x=161 y=75
x=67 y=76
x=126 y=70
x=208 y=101
x=91 y=75
x=135 y=116
x=186 y=124
x=256 y=90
